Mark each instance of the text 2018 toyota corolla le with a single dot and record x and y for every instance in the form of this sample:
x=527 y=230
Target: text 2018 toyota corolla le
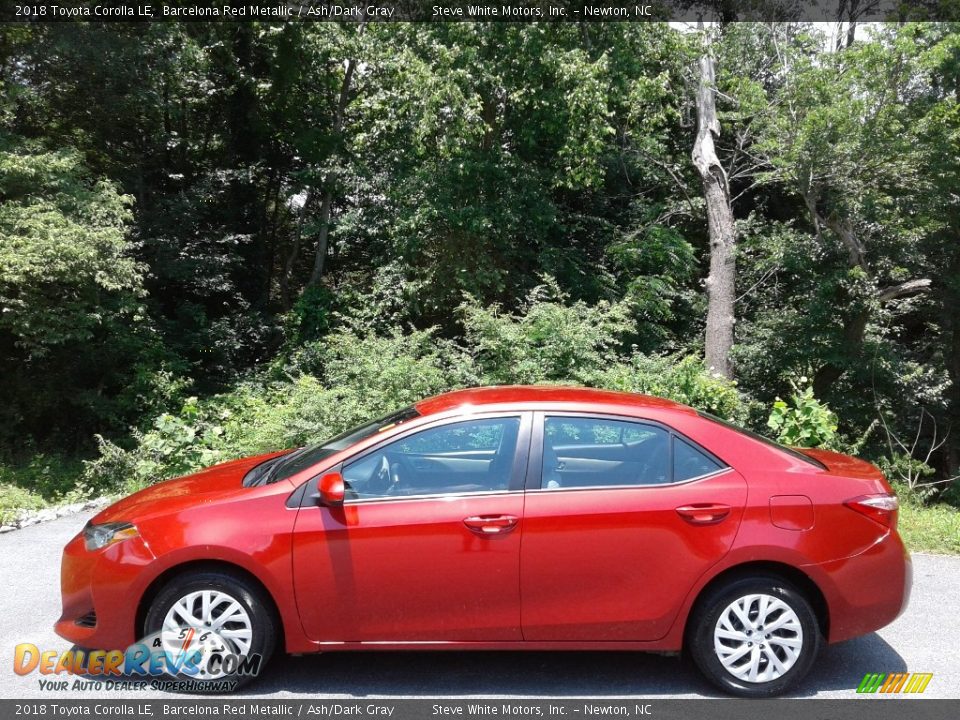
x=525 y=518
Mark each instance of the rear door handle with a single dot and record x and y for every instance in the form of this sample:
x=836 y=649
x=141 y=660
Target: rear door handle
x=703 y=513
x=491 y=524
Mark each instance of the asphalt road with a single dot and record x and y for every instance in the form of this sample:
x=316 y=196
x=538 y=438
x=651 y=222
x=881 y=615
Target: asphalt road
x=925 y=639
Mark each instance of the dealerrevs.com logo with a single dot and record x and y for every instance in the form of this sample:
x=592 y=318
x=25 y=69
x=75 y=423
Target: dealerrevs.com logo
x=894 y=683
x=178 y=660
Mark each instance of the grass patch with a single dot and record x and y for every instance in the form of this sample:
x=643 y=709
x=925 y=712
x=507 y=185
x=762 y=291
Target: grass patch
x=53 y=477
x=935 y=528
x=14 y=500
x=39 y=482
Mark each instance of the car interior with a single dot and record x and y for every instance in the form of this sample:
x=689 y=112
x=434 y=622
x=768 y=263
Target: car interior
x=466 y=457
x=582 y=452
x=476 y=456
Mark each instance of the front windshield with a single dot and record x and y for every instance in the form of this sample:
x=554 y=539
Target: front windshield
x=290 y=465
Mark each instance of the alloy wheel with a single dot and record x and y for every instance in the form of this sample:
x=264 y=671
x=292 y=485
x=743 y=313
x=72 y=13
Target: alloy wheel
x=211 y=622
x=758 y=638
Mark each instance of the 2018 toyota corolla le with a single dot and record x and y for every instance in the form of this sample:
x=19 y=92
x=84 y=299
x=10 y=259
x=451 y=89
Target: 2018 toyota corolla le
x=524 y=518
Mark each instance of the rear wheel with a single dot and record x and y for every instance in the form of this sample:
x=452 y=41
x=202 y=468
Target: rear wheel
x=755 y=637
x=215 y=628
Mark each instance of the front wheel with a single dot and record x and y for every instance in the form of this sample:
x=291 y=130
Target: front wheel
x=755 y=637
x=215 y=629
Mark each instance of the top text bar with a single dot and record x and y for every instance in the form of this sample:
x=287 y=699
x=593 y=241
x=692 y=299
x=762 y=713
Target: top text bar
x=456 y=11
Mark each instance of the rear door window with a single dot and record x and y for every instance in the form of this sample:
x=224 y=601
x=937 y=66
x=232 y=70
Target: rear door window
x=690 y=462
x=585 y=452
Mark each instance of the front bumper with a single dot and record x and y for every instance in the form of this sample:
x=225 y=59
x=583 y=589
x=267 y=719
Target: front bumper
x=100 y=591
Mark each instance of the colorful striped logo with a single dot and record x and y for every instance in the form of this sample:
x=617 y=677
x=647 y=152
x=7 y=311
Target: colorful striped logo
x=894 y=682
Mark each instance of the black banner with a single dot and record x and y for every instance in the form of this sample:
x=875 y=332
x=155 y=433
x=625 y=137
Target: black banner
x=241 y=708
x=482 y=10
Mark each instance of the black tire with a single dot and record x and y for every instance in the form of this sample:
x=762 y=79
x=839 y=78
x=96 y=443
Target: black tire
x=703 y=622
x=264 y=627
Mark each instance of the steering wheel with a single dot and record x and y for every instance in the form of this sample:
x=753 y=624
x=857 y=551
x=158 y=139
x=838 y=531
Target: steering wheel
x=388 y=478
x=380 y=481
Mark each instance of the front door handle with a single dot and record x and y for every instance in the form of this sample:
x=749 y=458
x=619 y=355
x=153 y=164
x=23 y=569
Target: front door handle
x=491 y=524
x=703 y=513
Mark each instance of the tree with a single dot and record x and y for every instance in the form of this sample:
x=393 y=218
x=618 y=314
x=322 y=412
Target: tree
x=721 y=281
x=71 y=318
x=849 y=150
x=326 y=201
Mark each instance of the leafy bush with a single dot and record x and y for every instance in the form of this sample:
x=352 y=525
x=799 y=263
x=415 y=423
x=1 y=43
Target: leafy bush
x=907 y=473
x=49 y=477
x=909 y=463
x=805 y=421
x=14 y=500
x=683 y=379
x=354 y=374
x=358 y=376
x=396 y=368
x=548 y=341
x=73 y=329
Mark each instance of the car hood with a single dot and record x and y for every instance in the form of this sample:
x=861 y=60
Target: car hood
x=205 y=486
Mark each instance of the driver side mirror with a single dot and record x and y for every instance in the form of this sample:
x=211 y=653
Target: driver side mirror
x=331 y=490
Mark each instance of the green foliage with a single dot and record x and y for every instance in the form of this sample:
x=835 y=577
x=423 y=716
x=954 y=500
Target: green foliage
x=310 y=317
x=73 y=332
x=354 y=374
x=14 y=500
x=909 y=474
x=804 y=421
x=933 y=528
x=51 y=477
x=549 y=340
x=660 y=262
x=854 y=148
x=61 y=236
x=358 y=376
x=683 y=379
x=462 y=160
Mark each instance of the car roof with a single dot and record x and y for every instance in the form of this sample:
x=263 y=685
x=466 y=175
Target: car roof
x=530 y=394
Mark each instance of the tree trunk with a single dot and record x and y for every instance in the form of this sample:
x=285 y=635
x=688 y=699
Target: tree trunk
x=721 y=281
x=326 y=201
x=951 y=300
x=322 y=238
x=294 y=253
x=848 y=11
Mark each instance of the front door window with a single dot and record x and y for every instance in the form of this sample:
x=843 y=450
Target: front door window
x=465 y=457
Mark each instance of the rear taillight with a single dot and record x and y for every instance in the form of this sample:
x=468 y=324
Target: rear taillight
x=879 y=508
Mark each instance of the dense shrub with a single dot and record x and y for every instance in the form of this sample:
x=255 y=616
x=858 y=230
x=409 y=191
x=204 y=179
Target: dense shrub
x=549 y=340
x=679 y=378
x=354 y=374
x=804 y=421
x=330 y=385
x=74 y=339
x=15 y=500
x=34 y=483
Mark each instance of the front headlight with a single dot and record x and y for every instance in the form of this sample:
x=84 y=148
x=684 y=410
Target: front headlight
x=96 y=537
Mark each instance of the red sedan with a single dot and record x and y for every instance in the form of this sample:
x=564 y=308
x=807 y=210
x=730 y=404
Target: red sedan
x=526 y=518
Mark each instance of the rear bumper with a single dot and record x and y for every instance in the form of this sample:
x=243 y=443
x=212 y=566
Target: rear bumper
x=100 y=591
x=867 y=591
